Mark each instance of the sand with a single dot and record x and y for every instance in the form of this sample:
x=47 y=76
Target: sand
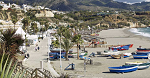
x=99 y=68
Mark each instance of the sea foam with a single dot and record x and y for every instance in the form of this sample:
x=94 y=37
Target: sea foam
x=140 y=31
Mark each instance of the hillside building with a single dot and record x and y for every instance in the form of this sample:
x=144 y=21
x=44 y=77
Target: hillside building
x=5 y=6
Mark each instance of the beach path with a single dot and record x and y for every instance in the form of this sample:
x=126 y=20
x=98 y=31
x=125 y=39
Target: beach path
x=40 y=55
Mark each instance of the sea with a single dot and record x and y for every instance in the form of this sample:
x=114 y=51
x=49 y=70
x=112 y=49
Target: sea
x=141 y=31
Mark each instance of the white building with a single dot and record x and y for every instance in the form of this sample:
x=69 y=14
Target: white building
x=15 y=6
x=5 y=6
x=39 y=7
x=57 y=12
x=26 y=7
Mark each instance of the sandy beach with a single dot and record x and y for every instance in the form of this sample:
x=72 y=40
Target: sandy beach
x=99 y=68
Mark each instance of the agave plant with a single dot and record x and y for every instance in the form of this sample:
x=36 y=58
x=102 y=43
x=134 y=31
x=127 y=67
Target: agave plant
x=7 y=69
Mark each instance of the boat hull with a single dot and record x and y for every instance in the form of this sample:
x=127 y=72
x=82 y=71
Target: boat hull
x=143 y=52
x=122 y=47
x=138 y=56
x=140 y=66
x=116 y=56
x=123 y=69
x=110 y=52
x=143 y=67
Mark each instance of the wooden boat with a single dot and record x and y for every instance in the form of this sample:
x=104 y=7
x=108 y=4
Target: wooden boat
x=116 y=56
x=123 y=69
x=141 y=56
x=126 y=55
x=136 y=62
x=143 y=50
x=121 y=47
x=140 y=65
x=110 y=52
x=57 y=50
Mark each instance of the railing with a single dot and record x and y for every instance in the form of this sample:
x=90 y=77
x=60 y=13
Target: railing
x=30 y=73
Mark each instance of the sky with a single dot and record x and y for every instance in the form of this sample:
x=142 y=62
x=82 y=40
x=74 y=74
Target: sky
x=132 y=1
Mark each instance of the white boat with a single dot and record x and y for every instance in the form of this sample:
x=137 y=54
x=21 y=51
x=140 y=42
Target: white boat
x=141 y=65
x=110 y=52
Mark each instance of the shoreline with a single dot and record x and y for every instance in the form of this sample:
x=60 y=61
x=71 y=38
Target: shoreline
x=126 y=31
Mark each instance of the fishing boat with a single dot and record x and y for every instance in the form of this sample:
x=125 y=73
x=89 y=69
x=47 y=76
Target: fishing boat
x=123 y=69
x=136 y=62
x=141 y=65
x=110 y=52
x=84 y=58
x=143 y=50
x=57 y=50
x=141 y=56
x=126 y=55
x=121 y=47
x=118 y=56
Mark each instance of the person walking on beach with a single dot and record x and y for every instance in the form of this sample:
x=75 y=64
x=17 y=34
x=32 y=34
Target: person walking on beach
x=79 y=47
x=27 y=55
x=38 y=47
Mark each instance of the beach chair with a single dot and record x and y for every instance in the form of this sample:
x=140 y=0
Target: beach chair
x=72 y=67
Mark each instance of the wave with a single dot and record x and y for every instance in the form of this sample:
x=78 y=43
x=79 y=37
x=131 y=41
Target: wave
x=140 y=31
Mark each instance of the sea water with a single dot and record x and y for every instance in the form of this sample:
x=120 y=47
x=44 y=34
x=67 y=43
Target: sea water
x=141 y=31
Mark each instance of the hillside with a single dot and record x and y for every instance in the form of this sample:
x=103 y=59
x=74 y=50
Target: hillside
x=73 y=5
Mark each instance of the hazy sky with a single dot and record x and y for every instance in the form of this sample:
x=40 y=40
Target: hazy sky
x=131 y=1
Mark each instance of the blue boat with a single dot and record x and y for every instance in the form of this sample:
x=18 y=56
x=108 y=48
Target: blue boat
x=140 y=66
x=121 y=47
x=143 y=50
x=141 y=56
x=123 y=69
x=56 y=55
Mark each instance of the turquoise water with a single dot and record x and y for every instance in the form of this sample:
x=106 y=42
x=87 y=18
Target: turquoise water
x=141 y=31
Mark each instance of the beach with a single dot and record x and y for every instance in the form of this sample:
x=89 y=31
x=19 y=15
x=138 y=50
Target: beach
x=99 y=68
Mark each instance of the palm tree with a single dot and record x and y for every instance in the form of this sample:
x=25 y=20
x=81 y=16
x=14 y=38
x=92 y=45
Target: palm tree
x=65 y=39
x=12 y=41
x=67 y=45
x=26 y=23
x=77 y=39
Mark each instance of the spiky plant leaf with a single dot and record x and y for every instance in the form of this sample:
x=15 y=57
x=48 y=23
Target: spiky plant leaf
x=12 y=70
x=8 y=68
x=3 y=72
x=1 y=64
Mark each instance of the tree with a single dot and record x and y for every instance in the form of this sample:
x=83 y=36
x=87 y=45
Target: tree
x=77 y=39
x=26 y=23
x=67 y=45
x=34 y=27
x=12 y=41
x=65 y=39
